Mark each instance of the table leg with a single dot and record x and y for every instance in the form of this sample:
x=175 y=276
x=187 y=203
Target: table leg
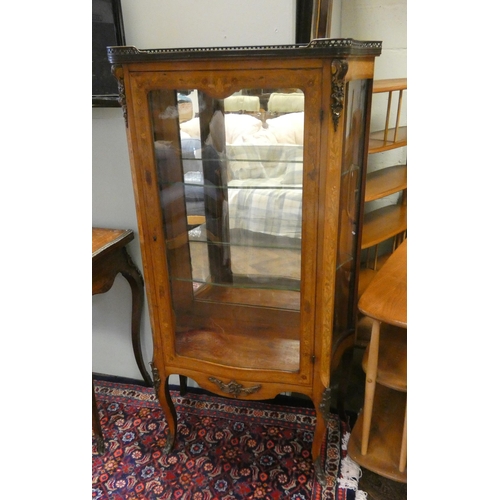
x=371 y=380
x=183 y=385
x=134 y=277
x=96 y=425
x=402 y=457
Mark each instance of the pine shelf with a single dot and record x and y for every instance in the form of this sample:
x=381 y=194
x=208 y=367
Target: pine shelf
x=389 y=85
x=387 y=222
x=385 y=182
x=393 y=135
x=383 y=224
x=386 y=433
x=392 y=365
x=383 y=140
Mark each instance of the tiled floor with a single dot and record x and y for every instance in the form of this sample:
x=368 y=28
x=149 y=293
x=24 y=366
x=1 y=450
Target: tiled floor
x=377 y=487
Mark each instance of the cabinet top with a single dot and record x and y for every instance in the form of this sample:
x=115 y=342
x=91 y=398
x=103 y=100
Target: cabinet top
x=320 y=47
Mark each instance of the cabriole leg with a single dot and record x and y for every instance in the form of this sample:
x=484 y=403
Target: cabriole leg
x=322 y=416
x=96 y=425
x=163 y=395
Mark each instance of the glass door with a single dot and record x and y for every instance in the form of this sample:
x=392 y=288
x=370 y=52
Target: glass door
x=230 y=179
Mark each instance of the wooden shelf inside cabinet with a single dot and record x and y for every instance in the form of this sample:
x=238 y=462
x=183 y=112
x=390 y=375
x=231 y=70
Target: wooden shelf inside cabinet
x=383 y=224
x=385 y=182
x=243 y=350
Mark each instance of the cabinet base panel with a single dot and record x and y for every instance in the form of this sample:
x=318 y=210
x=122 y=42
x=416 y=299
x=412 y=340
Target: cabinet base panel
x=240 y=351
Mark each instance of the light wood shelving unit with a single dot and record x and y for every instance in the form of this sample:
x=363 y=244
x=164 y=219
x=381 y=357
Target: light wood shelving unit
x=389 y=221
x=378 y=439
x=393 y=135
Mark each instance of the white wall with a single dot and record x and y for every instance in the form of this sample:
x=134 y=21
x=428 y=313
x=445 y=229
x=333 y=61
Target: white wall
x=113 y=206
x=199 y=23
x=381 y=20
x=188 y=23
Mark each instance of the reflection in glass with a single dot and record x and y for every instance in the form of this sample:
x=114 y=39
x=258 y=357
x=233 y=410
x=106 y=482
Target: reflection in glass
x=350 y=192
x=239 y=165
x=230 y=175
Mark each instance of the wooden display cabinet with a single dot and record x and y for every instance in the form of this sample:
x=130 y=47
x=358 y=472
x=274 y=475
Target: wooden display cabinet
x=249 y=236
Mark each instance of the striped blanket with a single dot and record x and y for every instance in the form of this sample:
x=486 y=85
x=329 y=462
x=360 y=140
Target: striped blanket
x=265 y=190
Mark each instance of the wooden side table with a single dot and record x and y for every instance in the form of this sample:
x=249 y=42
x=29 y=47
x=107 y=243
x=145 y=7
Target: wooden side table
x=378 y=440
x=110 y=257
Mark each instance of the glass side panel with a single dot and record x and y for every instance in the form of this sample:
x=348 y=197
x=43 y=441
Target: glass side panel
x=230 y=177
x=353 y=163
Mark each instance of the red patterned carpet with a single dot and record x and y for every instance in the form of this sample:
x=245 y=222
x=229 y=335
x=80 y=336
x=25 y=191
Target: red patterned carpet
x=226 y=450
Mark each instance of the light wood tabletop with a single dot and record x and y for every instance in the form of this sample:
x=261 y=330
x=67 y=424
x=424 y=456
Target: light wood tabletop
x=385 y=297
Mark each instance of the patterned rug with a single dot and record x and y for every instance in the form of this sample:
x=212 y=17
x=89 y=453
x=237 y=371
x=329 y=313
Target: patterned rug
x=225 y=450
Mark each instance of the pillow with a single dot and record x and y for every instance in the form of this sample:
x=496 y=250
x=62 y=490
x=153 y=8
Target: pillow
x=237 y=125
x=263 y=136
x=236 y=103
x=288 y=129
x=191 y=127
x=285 y=103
